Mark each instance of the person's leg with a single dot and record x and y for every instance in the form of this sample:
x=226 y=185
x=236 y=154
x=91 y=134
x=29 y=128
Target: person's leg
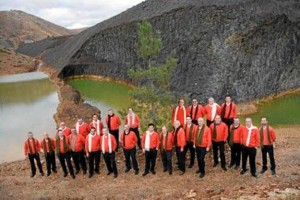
x=192 y=150
x=113 y=163
x=198 y=157
x=202 y=152
x=238 y=155
x=222 y=155
x=264 y=159
x=76 y=161
x=69 y=164
x=127 y=159
x=215 y=152
x=82 y=161
x=53 y=162
x=244 y=158
x=233 y=154
x=272 y=160
x=252 y=156
x=91 y=163
x=169 y=161
x=32 y=164
x=164 y=160
x=48 y=163
x=181 y=160
x=133 y=159
x=153 y=160
x=61 y=158
x=106 y=157
x=97 y=161
x=147 y=162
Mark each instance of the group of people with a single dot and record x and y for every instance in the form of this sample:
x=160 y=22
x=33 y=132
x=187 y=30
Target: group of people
x=87 y=142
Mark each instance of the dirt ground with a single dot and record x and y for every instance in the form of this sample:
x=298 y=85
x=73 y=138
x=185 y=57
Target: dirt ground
x=15 y=181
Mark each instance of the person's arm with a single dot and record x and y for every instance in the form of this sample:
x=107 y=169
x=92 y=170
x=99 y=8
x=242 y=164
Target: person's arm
x=38 y=146
x=208 y=139
x=143 y=142
x=226 y=133
x=234 y=110
x=114 y=143
x=157 y=141
x=87 y=146
x=25 y=149
x=118 y=121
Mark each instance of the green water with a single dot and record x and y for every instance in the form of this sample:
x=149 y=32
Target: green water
x=103 y=94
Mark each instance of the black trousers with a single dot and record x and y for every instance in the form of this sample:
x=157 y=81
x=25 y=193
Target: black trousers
x=94 y=162
x=208 y=122
x=131 y=153
x=50 y=162
x=66 y=158
x=110 y=162
x=150 y=159
x=116 y=134
x=251 y=153
x=236 y=151
x=167 y=160
x=190 y=146
x=36 y=157
x=228 y=122
x=180 y=158
x=79 y=159
x=137 y=133
x=268 y=149
x=201 y=152
x=219 y=146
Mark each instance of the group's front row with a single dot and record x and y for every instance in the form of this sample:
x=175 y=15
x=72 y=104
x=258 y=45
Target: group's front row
x=198 y=139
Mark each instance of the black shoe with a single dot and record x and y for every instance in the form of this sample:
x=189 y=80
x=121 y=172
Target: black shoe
x=263 y=171
x=136 y=172
x=73 y=176
x=42 y=174
x=198 y=171
x=273 y=172
x=201 y=175
x=55 y=171
x=224 y=168
x=237 y=167
x=243 y=171
x=215 y=164
x=145 y=173
x=153 y=172
x=90 y=175
x=254 y=175
x=115 y=175
x=190 y=166
x=170 y=173
x=32 y=175
x=165 y=170
x=65 y=174
x=231 y=165
x=77 y=172
x=127 y=170
x=48 y=173
x=97 y=172
x=109 y=173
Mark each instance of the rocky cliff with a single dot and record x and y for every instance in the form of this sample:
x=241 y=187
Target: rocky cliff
x=249 y=49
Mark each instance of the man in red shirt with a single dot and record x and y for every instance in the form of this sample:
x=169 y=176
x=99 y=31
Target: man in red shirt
x=108 y=148
x=48 y=147
x=66 y=131
x=92 y=150
x=179 y=143
x=77 y=143
x=134 y=123
x=250 y=142
x=150 y=144
x=129 y=141
x=234 y=141
x=166 y=144
x=267 y=139
x=180 y=113
x=195 y=111
x=97 y=123
x=202 y=143
x=63 y=153
x=32 y=149
x=228 y=112
x=113 y=123
x=219 y=137
x=211 y=110
x=82 y=128
x=190 y=131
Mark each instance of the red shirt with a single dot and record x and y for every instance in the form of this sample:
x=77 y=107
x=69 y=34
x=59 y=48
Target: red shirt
x=115 y=122
x=222 y=132
x=104 y=141
x=253 y=140
x=187 y=132
x=84 y=129
x=237 y=134
x=94 y=124
x=46 y=143
x=95 y=144
x=272 y=136
x=180 y=116
x=31 y=143
x=206 y=138
x=61 y=144
x=130 y=140
x=154 y=140
x=229 y=114
x=167 y=143
x=192 y=112
x=66 y=131
x=79 y=142
x=208 y=112
x=133 y=121
x=181 y=141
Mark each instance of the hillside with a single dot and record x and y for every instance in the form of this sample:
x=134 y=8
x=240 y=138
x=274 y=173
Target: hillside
x=17 y=27
x=249 y=49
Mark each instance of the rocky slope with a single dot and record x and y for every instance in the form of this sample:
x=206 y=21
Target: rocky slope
x=249 y=49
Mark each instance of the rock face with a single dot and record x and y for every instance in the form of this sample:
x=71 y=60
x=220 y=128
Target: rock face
x=248 y=49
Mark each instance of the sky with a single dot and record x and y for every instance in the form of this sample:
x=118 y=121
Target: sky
x=70 y=13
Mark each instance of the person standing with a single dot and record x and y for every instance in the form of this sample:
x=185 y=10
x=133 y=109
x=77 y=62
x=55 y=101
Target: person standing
x=129 y=142
x=234 y=141
x=267 y=140
x=113 y=123
x=31 y=150
x=108 y=148
x=211 y=110
x=82 y=128
x=228 y=112
x=179 y=113
x=190 y=131
x=179 y=143
x=77 y=143
x=150 y=144
x=166 y=143
x=195 y=111
x=219 y=137
x=48 y=147
x=97 y=123
x=63 y=153
x=202 y=143
x=249 y=141
x=134 y=123
x=66 y=131
x=92 y=150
